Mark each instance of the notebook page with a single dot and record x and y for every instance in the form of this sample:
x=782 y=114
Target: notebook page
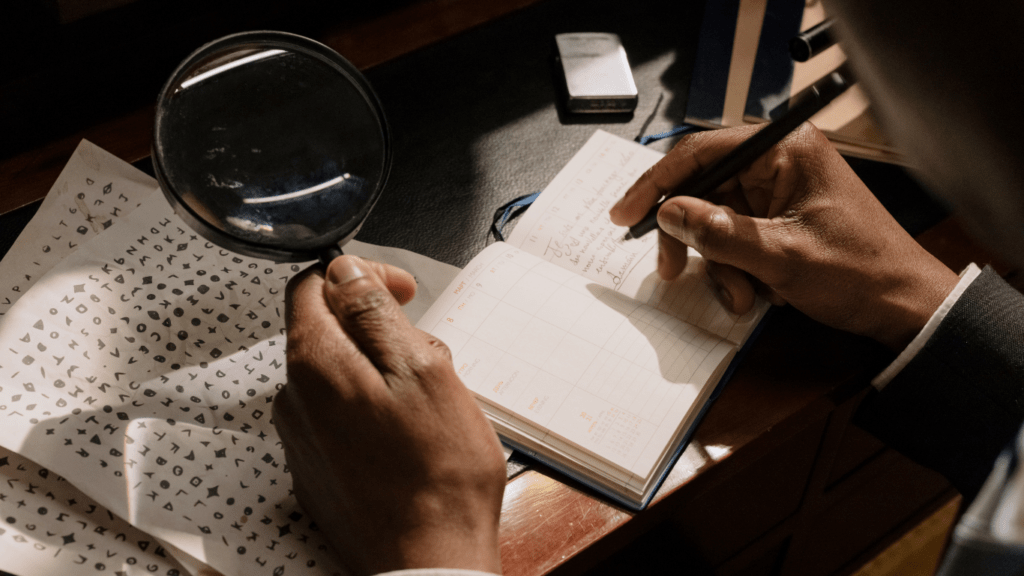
x=597 y=369
x=568 y=225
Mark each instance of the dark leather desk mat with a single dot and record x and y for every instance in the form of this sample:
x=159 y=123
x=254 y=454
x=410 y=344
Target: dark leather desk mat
x=474 y=121
x=475 y=124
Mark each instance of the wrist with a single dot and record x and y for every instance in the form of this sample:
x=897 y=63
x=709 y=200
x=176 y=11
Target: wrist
x=442 y=532
x=910 y=303
x=431 y=548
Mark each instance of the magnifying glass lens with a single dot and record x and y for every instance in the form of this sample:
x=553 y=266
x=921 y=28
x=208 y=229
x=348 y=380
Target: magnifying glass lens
x=271 y=145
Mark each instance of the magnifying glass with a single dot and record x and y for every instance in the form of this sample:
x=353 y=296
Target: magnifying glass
x=271 y=145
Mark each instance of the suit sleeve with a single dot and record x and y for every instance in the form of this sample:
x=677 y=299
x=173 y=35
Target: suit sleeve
x=958 y=403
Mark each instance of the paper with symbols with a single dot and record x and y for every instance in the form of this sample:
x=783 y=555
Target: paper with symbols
x=51 y=527
x=48 y=525
x=574 y=347
x=142 y=368
x=94 y=191
x=80 y=396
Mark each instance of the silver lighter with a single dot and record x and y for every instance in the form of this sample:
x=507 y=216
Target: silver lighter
x=596 y=73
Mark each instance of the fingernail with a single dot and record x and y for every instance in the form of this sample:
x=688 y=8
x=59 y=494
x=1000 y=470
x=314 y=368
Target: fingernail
x=344 y=270
x=723 y=294
x=670 y=219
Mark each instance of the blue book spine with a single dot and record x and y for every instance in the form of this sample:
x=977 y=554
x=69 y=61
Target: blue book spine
x=710 y=76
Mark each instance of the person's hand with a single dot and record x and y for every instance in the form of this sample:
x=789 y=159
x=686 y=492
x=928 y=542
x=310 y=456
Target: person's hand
x=797 y=226
x=388 y=451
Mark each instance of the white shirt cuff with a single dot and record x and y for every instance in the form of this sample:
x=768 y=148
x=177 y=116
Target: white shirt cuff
x=908 y=354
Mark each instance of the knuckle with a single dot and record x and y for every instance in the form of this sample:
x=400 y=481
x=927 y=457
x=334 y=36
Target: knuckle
x=794 y=256
x=429 y=364
x=442 y=349
x=304 y=357
x=646 y=178
x=656 y=176
x=712 y=230
x=807 y=135
x=805 y=146
x=370 y=307
x=692 y=141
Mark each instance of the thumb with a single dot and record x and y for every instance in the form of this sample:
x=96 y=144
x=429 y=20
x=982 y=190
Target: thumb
x=719 y=233
x=367 y=312
x=400 y=283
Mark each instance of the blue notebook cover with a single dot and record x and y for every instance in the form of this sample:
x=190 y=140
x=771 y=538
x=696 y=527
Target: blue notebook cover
x=772 y=75
x=772 y=79
x=710 y=76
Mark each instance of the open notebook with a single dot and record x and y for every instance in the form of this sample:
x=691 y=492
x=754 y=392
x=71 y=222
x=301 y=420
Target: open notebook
x=577 y=352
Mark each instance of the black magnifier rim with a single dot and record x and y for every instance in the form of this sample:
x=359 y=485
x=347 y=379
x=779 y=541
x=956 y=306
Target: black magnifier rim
x=270 y=39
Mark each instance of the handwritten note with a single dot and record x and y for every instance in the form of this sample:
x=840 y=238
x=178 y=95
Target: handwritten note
x=575 y=348
x=569 y=226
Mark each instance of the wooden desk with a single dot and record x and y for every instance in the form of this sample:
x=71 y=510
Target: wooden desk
x=777 y=479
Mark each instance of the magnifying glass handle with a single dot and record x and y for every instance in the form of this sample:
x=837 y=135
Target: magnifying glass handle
x=329 y=254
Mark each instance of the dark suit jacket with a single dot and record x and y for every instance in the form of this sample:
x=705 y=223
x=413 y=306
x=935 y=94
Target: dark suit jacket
x=956 y=406
x=960 y=401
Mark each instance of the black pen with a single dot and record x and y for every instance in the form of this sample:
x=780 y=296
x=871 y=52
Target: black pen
x=802 y=106
x=812 y=41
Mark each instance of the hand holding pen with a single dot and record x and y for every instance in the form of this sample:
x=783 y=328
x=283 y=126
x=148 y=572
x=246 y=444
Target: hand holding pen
x=796 y=226
x=802 y=106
